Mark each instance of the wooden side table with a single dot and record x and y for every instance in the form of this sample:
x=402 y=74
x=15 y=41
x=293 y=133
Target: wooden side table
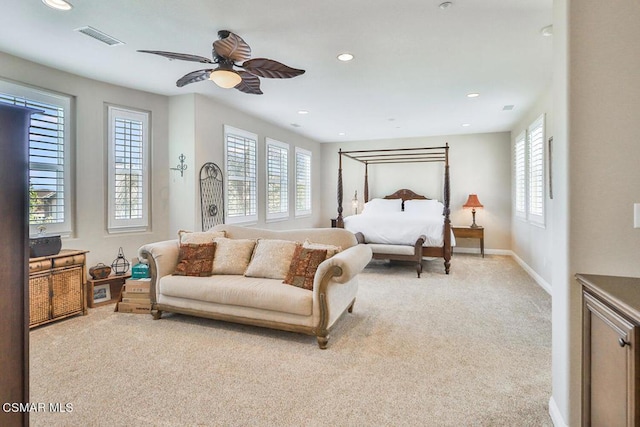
x=115 y=283
x=467 y=232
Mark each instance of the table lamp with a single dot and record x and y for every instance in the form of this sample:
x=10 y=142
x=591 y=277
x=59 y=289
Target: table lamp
x=473 y=203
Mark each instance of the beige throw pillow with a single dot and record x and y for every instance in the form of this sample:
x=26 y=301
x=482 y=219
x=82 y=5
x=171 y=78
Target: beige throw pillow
x=331 y=249
x=199 y=237
x=271 y=259
x=232 y=255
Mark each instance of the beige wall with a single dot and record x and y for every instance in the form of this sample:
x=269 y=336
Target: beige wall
x=90 y=148
x=533 y=244
x=197 y=129
x=597 y=81
x=479 y=163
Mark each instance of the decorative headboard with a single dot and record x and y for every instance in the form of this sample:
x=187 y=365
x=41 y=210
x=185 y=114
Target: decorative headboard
x=406 y=194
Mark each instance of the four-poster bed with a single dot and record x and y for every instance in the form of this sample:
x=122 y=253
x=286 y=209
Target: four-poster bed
x=438 y=246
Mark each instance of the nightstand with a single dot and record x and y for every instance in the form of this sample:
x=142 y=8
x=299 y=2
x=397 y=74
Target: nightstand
x=467 y=232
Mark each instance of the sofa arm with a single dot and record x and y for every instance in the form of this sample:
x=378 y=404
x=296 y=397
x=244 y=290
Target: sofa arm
x=162 y=257
x=344 y=265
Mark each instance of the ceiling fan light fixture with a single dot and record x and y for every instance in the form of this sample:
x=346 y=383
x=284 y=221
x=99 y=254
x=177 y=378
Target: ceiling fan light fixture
x=226 y=79
x=58 y=4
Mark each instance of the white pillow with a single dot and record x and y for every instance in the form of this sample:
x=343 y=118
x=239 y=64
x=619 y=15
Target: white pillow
x=424 y=207
x=376 y=206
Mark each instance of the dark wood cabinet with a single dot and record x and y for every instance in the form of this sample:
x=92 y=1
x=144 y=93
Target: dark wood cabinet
x=14 y=255
x=611 y=324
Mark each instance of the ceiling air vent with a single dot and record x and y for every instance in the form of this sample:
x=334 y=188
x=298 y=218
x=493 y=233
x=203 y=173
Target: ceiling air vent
x=99 y=35
x=507 y=108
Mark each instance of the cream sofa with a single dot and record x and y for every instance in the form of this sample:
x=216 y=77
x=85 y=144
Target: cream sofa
x=261 y=301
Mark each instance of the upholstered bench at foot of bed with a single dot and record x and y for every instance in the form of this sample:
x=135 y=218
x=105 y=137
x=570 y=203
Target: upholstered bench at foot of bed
x=396 y=252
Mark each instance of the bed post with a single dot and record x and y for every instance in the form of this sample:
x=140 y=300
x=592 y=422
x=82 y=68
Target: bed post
x=447 y=211
x=366 y=182
x=339 y=219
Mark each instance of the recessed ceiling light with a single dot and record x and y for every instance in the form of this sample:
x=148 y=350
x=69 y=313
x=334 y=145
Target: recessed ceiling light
x=303 y=112
x=466 y=125
x=473 y=95
x=295 y=125
x=341 y=133
x=344 y=57
x=58 y=4
x=445 y=5
x=547 y=31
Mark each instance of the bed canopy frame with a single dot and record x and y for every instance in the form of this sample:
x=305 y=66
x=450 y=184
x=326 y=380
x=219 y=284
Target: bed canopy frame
x=403 y=155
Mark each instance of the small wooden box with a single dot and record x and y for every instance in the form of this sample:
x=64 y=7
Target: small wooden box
x=115 y=283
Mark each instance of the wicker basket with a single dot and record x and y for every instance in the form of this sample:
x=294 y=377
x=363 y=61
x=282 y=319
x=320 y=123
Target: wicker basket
x=39 y=302
x=67 y=295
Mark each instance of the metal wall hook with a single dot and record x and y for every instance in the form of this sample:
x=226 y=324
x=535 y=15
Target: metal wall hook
x=182 y=166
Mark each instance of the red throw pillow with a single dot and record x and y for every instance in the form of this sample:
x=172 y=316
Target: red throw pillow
x=303 y=266
x=195 y=259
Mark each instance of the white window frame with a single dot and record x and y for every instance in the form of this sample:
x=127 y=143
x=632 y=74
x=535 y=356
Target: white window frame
x=520 y=175
x=306 y=210
x=277 y=174
x=251 y=210
x=30 y=97
x=138 y=223
x=536 y=171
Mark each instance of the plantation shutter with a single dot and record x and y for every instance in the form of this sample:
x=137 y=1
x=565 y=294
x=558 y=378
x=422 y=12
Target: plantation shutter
x=48 y=144
x=536 y=170
x=241 y=165
x=277 y=179
x=128 y=169
x=303 y=182
x=128 y=180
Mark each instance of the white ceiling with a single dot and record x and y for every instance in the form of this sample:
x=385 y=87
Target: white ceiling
x=414 y=62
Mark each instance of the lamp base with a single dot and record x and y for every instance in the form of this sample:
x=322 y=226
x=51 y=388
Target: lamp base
x=473 y=213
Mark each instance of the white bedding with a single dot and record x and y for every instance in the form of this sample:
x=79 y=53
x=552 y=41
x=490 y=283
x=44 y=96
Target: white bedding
x=398 y=228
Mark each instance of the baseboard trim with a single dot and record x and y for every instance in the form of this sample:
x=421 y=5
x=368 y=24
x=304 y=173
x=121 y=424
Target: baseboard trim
x=554 y=413
x=458 y=250
x=539 y=280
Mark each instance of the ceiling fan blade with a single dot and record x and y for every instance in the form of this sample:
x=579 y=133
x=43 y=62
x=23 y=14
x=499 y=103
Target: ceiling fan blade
x=231 y=46
x=263 y=67
x=194 y=76
x=249 y=84
x=180 y=56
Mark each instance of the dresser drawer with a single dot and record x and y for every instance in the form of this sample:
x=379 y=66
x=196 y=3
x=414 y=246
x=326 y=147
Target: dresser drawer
x=68 y=260
x=41 y=265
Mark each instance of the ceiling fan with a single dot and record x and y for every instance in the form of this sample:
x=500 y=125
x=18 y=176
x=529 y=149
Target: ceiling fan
x=228 y=52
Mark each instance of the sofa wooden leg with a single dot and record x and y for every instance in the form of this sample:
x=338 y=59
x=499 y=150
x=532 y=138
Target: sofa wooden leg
x=419 y=268
x=157 y=314
x=447 y=266
x=322 y=342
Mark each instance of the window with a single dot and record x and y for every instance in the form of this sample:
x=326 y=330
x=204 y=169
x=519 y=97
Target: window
x=49 y=157
x=303 y=182
x=277 y=179
x=241 y=170
x=536 y=170
x=520 y=176
x=529 y=173
x=128 y=138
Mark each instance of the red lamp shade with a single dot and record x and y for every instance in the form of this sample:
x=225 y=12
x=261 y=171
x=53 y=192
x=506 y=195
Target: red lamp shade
x=473 y=203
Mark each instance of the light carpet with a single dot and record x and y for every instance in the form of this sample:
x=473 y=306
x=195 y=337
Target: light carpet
x=469 y=349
